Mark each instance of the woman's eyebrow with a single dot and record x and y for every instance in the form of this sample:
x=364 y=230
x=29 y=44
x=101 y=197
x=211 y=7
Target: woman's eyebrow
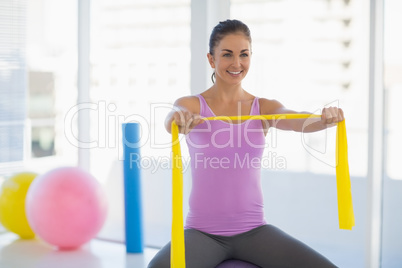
x=228 y=50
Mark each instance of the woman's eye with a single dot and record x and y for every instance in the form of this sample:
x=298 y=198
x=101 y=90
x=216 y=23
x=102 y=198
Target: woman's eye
x=244 y=55
x=227 y=55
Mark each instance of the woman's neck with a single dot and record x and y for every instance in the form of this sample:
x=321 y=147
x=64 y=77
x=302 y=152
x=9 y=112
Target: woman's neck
x=228 y=93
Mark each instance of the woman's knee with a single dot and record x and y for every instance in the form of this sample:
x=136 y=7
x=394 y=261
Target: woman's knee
x=159 y=263
x=161 y=259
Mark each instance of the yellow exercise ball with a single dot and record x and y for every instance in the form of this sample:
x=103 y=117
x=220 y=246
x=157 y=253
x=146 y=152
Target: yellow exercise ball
x=12 y=204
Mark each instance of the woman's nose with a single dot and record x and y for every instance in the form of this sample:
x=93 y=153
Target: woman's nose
x=236 y=61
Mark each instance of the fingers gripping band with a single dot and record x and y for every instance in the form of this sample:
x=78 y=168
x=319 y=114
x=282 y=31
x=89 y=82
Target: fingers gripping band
x=344 y=192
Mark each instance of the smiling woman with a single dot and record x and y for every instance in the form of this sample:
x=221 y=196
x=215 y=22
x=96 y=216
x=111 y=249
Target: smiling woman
x=226 y=216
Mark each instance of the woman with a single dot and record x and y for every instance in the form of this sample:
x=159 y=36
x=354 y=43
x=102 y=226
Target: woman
x=225 y=219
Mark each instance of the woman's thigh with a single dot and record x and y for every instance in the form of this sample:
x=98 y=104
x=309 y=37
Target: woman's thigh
x=202 y=251
x=268 y=246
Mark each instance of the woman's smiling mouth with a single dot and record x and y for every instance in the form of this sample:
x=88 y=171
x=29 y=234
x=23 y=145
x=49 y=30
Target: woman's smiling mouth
x=234 y=73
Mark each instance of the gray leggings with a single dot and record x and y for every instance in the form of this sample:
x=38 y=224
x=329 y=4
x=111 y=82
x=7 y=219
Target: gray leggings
x=265 y=246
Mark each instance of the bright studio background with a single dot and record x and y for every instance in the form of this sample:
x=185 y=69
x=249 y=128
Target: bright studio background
x=307 y=54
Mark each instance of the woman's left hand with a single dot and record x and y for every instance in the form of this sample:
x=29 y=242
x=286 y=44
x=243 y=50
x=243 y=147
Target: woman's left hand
x=332 y=115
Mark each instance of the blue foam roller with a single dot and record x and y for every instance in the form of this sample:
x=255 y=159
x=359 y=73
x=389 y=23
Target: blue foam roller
x=132 y=188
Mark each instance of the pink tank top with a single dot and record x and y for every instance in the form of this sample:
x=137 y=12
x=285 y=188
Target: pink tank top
x=226 y=196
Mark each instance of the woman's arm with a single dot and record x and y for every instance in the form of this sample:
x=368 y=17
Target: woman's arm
x=185 y=113
x=329 y=117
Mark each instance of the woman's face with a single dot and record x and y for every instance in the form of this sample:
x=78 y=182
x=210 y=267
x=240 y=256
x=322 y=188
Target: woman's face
x=231 y=58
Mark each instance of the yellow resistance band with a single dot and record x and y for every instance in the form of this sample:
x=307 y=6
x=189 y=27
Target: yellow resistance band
x=345 y=206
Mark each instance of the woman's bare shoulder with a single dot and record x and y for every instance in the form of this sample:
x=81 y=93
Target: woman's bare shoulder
x=269 y=106
x=190 y=103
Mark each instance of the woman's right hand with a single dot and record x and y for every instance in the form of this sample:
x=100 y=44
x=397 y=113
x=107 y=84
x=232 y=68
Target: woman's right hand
x=186 y=120
x=185 y=114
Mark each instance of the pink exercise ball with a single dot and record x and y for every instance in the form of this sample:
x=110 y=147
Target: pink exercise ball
x=66 y=207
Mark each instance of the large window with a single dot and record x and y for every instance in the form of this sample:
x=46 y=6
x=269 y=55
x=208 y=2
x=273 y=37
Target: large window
x=51 y=44
x=310 y=54
x=140 y=64
x=13 y=81
x=392 y=197
x=37 y=82
x=393 y=87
